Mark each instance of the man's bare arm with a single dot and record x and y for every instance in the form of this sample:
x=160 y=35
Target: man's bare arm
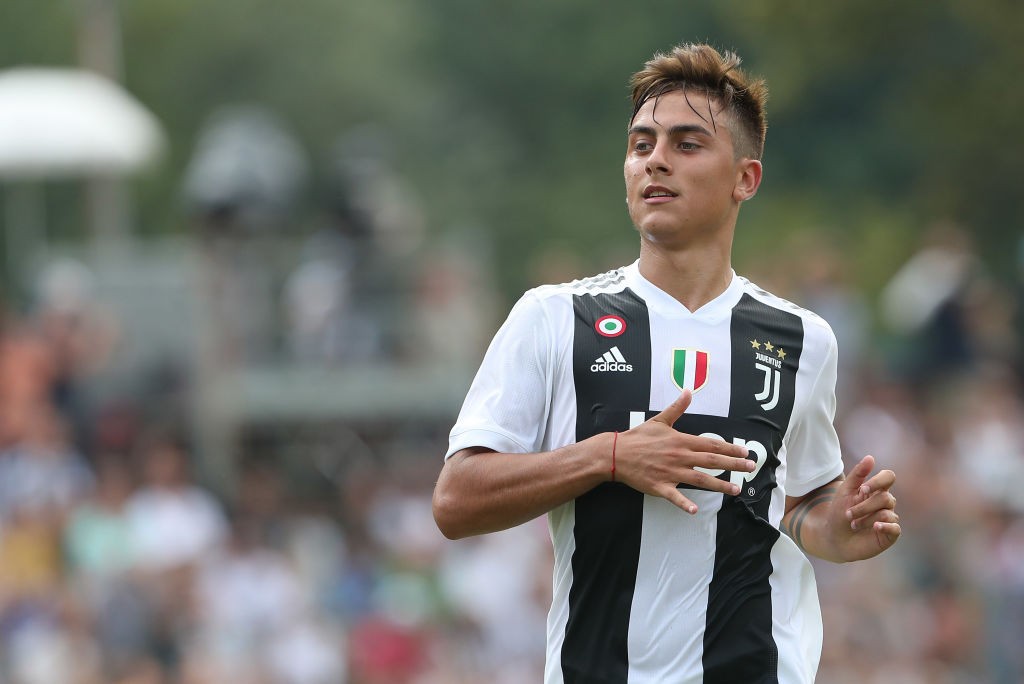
x=482 y=491
x=850 y=518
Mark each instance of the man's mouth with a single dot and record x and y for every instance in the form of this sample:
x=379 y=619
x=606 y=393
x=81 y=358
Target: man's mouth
x=658 y=192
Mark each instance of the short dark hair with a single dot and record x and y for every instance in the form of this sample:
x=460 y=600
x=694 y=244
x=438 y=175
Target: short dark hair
x=693 y=67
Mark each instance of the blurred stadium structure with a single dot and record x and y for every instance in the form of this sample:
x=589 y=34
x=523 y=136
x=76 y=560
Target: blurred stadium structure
x=217 y=446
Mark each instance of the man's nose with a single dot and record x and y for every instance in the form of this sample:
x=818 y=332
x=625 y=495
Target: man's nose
x=657 y=161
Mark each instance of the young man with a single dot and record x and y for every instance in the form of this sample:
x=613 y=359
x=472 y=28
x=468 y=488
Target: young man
x=672 y=419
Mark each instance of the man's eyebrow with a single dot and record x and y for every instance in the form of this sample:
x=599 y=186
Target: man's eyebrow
x=674 y=130
x=642 y=130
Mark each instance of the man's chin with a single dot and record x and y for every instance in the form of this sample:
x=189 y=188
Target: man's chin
x=658 y=228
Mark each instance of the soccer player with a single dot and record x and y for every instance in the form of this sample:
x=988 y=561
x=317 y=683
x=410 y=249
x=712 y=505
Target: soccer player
x=673 y=420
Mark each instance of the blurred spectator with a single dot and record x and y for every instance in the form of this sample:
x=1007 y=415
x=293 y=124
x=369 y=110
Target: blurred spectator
x=246 y=171
x=61 y=650
x=174 y=521
x=449 y=324
x=347 y=300
x=926 y=303
x=252 y=615
x=42 y=474
x=501 y=584
x=824 y=287
x=98 y=539
x=80 y=332
x=174 y=524
x=100 y=551
x=330 y=313
x=883 y=420
x=27 y=372
x=990 y=421
x=998 y=563
x=41 y=478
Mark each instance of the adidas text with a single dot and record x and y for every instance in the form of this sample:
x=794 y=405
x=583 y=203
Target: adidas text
x=611 y=360
x=605 y=366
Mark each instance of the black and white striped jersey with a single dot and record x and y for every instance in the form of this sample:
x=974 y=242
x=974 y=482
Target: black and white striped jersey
x=643 y=592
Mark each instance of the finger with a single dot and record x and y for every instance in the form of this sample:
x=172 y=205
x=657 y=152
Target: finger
x=717 y=461
x=716 y=446
x=882 y=480
x=876 y=502
x=858 y=474
x=709 y=482
x=695 y=449
x=675 y=410
x=885 y=515
x=674 y=496
x=887 y=533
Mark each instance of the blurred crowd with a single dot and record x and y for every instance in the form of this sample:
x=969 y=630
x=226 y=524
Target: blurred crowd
x=121 y=564
x=930 y=384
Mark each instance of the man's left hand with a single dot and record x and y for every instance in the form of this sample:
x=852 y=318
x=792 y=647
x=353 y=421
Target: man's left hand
x=862 y=518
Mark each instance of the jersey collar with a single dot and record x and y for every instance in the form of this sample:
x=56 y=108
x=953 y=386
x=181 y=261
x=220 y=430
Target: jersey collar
x=668 y=306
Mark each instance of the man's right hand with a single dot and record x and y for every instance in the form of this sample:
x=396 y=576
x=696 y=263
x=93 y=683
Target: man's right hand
x=654 y=458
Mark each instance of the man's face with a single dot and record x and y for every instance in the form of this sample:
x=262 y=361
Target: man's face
x=682 y=181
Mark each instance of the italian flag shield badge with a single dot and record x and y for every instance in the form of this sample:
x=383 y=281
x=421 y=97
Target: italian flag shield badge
x=690 y=368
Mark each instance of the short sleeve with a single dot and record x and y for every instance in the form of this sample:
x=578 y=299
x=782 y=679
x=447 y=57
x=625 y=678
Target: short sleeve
x=507 y=404
x=813 y=454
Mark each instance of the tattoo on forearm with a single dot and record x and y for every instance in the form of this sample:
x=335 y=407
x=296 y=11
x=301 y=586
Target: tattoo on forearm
x=799 y=514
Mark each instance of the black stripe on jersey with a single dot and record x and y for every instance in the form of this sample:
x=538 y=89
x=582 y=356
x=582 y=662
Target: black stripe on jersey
x=610 y=516
x=738 y=642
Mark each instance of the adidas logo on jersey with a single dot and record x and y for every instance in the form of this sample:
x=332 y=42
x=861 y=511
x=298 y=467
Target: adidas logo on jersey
x=611 y=360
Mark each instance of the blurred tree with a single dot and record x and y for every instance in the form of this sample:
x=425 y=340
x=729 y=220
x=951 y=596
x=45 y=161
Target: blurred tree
x=908 y=106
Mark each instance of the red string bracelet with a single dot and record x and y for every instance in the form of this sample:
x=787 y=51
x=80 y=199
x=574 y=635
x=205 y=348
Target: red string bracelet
x=615 y=441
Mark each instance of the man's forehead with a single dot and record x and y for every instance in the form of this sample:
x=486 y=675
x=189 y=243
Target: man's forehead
x=679 y=105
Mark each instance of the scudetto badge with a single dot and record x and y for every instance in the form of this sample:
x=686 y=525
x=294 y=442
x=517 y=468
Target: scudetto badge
x=690 y=368
x=610 y=326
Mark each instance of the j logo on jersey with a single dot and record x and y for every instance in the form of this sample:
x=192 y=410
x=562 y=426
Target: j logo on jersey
x=768 y=359
x=690 y=368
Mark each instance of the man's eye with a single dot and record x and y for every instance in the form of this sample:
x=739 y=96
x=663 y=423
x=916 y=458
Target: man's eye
x=642 y=146
x=689 y=146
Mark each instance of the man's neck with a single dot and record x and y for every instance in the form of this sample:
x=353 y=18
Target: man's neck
x=693 y=277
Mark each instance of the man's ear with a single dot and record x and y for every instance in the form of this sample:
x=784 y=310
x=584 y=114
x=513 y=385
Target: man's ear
x=748 y=179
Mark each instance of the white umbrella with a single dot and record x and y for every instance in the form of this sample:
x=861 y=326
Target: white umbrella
x=70 y=122
x=60 y=123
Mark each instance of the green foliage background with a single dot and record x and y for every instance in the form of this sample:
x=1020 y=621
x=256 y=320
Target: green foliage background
x=508 y=117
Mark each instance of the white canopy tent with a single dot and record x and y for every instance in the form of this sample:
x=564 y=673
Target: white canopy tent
x=66 y=123
x=70 y=122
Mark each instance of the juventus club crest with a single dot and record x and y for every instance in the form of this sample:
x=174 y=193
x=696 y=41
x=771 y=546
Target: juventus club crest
x=768 y=359
x=690 y=368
